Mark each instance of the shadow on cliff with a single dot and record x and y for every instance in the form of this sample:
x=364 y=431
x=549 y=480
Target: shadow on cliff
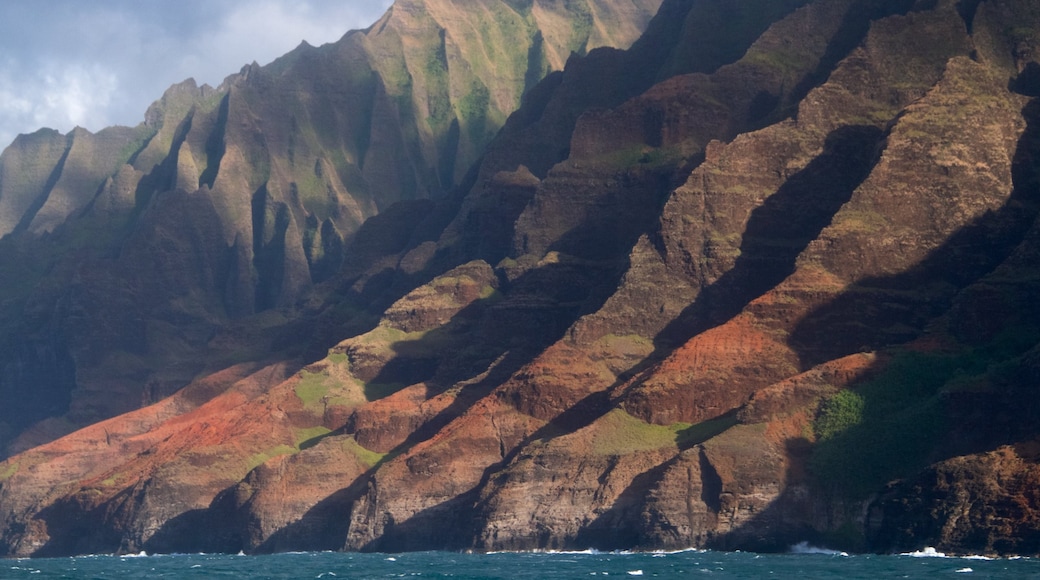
x=618 y=527
x=862 y=317
x=491 y=339
x=833 y=330
x=791 y=519
x=227 y=527
x=856 y=463
x=850 y=34
x=974 y=251
x=987 y=242
x=560 y=291
x=73 y=529
x=778 y=231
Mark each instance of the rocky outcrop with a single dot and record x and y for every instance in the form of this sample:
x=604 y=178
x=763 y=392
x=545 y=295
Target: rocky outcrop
x=765 y=277
x=984 y=502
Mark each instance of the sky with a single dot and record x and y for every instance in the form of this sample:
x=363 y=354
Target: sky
x=96 y=63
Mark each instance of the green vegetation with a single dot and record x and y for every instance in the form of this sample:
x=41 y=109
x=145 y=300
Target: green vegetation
x=884 y=431
x=260 y=458
x=506 y=264
x=689 y=435
x=311 y=388
x=8 y=471
x=490 y=293
x=142 y=135
x=438 y=101
x=367 y=457
x=838 y=414
x=316 y=390
x=888 y=428
x=394 y=71
x=582 y=23
x=451 y=281
x=861 y=220
x=661 y=157
x=312 y=184
x=472 y=111
x=390 y=335
x=619 y=433
x=310 y=436
x=433 y=68
x=792 y=63
x=627 y=344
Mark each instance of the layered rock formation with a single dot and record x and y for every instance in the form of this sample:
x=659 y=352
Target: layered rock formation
x=766 y=276
x=132 y=257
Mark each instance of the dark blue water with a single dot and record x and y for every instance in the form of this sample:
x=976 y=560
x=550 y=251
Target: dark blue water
x=691 y=564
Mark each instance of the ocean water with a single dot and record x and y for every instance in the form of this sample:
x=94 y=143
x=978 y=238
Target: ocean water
x=804 y=564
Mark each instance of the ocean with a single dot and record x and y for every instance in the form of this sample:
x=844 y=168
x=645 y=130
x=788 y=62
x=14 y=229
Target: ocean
x=803 y=564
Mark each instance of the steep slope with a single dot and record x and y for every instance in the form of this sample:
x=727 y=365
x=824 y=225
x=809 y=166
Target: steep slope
x=767 y=276
x=142 y=257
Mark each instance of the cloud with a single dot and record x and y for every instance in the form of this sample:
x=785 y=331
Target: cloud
x=65 y=63
x=267 y=29
x=56 y=94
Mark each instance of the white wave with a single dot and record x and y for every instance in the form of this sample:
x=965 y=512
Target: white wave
x=595 y=552
x=635 y=572
x=670 y=552
x=807 y=548
x=587 y=552
x=928 y=552
x=964 y=571
x=141 y=554
x=976 y=557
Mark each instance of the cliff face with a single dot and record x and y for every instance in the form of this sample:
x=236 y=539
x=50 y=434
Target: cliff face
x=766 y=276
x=138 y=258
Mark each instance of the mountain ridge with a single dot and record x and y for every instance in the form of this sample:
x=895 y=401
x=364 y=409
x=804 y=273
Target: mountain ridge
x=278 y=167
x=771 y=292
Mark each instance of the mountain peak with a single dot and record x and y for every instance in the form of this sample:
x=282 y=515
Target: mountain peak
x=767 y=274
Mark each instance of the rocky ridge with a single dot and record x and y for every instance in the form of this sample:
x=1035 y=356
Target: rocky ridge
x=729 y=293
x=141 y=257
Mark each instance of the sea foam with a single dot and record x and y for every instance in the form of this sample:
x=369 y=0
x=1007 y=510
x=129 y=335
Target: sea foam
x=807 y=548
x=928 y=552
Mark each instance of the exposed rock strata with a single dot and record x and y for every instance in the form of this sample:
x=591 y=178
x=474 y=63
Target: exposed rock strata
x=131 y=249
x=741 y=294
